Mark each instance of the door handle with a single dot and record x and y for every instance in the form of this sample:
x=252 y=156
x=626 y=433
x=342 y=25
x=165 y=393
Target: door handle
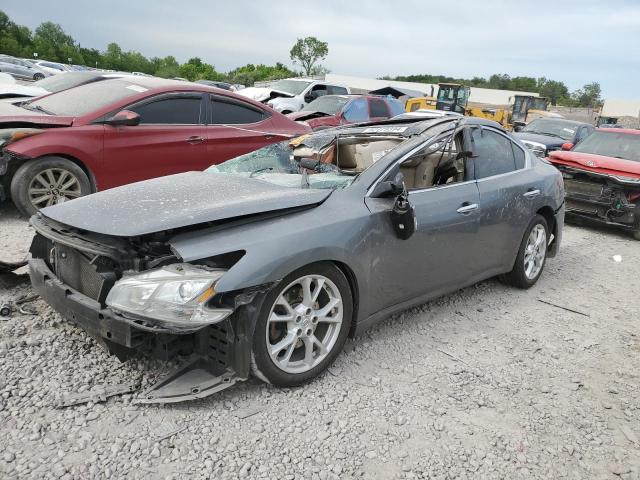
x=195 y=139
x=531 y=193
x=467 y=208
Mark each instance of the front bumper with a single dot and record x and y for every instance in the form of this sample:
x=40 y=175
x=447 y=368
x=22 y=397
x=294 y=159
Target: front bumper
x=217 y=360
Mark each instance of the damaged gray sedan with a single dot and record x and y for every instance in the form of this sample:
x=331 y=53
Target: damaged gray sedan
x=265 y=264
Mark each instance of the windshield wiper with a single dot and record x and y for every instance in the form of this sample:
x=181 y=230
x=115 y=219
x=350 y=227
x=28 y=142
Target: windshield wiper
x=255 y=172
x=36 y=108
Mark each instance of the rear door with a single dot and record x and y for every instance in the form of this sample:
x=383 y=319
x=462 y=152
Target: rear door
x=508 y=188
x=235 y=127
x=169 y=139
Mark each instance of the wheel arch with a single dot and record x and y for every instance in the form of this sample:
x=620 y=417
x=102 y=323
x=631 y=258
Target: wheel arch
x=21 y=161
x=355 y=292
x=549 y=215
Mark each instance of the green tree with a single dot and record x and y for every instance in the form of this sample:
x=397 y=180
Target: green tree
x=556 y=92
x=588 y=96
x=307 y=52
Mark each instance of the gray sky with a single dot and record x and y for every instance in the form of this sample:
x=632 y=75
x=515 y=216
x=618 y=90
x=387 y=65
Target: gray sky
x=573 y=41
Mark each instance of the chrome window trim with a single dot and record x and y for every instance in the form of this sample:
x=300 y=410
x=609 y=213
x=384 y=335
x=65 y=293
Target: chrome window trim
x=440 y=187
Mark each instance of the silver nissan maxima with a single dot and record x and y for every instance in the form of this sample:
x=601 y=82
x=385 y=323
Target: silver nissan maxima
x=265 y=264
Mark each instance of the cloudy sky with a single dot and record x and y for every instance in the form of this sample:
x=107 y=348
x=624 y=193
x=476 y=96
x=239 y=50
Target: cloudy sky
x=573 y=41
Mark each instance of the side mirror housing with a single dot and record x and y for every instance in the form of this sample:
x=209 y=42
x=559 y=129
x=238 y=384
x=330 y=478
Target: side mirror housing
x=389 y=188
x=124 y=118
x=567 y=146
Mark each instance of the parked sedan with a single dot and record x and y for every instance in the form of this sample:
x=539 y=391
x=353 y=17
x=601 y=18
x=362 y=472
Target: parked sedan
x=21 y=68
x=602 y=178
x=545 y=135
x=333 y=110
x=265 y=264
x=110 y=133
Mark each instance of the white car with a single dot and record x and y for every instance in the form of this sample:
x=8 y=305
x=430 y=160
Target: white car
x=50 y=67
x=292 y=94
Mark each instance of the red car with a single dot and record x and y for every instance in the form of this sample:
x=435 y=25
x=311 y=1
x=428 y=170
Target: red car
x=334 y=110
x=110 y=133
x=602 y=178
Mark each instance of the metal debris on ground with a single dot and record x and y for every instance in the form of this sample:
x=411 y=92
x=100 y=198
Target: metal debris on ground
x=6 y=310
x=98 y=395
x=167 y=429
x=243 y=413
x=564 y=308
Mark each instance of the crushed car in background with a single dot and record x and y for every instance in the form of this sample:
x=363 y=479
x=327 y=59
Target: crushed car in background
x=602 y=178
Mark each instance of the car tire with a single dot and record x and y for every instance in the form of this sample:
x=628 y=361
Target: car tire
x=531 y=257
x=288 y=320
x=38 y=76
x=65 y=179
x=636 y=225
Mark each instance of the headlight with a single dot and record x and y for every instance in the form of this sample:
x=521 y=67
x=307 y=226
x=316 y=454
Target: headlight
x=174 y=296
x=11 y=135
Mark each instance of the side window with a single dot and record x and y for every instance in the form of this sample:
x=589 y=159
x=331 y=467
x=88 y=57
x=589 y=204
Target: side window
x=319 y=90
x=335 y=90
x=378 y=108
x=430 y=168
x=494 y=154
x=357 y=111
x=170 y=111
x=519 y=156
x=232 y=112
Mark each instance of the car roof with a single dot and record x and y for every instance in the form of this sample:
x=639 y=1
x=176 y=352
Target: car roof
x=629 y=131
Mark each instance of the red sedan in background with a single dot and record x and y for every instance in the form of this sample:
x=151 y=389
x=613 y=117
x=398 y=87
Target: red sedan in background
x=334 y=110
x=110 y=133
x=602 y=178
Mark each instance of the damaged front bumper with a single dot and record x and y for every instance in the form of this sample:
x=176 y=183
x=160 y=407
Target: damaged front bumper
x=601 y=198
x=218 y=354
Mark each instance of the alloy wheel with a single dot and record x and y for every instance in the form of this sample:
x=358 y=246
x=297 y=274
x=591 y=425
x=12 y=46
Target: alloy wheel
x=53 y=186
x=535 y=251
x=304 y=323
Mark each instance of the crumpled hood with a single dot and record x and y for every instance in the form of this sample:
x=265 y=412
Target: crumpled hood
x=178 y=201
x=597 y=163
x=549 y=141
x=262 y=94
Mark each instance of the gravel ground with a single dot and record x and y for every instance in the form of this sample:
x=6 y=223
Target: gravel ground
x=489 y=382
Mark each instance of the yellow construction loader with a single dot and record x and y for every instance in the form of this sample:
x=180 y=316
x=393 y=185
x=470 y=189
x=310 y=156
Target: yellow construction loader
x=453 y=97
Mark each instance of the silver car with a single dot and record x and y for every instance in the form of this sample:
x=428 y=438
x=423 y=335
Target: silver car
x=21 y=68
x=265 y=264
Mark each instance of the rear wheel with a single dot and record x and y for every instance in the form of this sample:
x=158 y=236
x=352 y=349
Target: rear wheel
x=38 y=76
x=302 y=326
x=47 y=181
x=532 y=255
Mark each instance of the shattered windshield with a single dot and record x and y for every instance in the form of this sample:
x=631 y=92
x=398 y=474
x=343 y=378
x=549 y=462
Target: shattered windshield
x=295 y=87
x=277 y=164
x=328 y=104
x=611 y=144
x=554 y=128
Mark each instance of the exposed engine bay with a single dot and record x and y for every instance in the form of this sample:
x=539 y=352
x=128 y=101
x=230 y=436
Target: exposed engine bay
x=602 y=197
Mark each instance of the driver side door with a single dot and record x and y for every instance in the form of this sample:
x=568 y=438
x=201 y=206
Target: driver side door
x=170 y=139
x=440 y=256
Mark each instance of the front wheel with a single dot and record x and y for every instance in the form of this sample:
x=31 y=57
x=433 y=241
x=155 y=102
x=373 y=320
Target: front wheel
x=302 y=326
x=38 y=76
x=531 y=255
x=47 y=181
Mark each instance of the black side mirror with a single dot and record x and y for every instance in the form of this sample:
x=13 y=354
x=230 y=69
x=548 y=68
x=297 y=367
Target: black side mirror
x=390 y=188
x=124 y=118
